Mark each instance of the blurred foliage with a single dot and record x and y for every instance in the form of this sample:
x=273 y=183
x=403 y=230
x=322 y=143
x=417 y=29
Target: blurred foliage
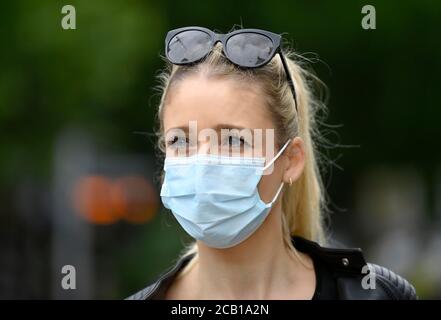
x=382 y=81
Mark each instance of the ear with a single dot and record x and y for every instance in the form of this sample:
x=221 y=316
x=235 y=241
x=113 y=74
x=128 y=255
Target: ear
x=295 y=163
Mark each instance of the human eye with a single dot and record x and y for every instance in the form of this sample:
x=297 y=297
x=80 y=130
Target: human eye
x=177 y=142
x=235 y=141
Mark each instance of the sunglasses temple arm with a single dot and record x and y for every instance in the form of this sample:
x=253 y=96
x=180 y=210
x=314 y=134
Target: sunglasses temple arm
x=288 y=75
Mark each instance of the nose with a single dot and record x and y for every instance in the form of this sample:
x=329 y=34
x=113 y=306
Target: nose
x=206 y=147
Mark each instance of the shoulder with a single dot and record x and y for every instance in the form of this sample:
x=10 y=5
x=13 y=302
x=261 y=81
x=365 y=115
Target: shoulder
x=355 y=278
x=143 y=293
x=396 y=286
x=157 y=289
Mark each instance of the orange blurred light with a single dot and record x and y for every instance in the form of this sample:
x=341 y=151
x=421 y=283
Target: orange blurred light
x=92 y=198
x=140 y=196
x=102 y=201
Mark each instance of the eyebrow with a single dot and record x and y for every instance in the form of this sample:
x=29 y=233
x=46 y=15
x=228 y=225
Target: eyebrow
x=217 y=127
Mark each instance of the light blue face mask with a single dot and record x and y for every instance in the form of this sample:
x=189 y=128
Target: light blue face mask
x=215 y=198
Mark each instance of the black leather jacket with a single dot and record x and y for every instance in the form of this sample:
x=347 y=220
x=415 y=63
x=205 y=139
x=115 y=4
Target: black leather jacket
x=346 y=266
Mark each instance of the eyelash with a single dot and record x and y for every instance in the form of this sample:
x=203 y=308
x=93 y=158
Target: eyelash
x=172 y=141
x=241 y=139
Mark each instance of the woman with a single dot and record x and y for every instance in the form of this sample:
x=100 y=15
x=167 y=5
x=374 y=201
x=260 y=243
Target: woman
x=257 y=220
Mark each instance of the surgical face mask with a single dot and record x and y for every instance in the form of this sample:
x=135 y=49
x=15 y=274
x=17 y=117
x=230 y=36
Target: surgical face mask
x=215 y=198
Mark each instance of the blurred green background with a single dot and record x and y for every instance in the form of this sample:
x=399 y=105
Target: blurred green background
x=74 y=105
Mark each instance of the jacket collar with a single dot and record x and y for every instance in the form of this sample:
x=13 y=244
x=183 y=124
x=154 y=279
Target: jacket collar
x=348 y=261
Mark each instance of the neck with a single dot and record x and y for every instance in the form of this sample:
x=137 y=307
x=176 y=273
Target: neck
x=258 y=268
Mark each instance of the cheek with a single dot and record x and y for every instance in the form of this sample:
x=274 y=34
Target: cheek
x=269 y=184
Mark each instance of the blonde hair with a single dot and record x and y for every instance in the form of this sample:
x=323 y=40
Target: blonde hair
x=303 y=203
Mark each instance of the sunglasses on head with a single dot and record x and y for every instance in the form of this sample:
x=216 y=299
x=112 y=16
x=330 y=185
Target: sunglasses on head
x=246 y=48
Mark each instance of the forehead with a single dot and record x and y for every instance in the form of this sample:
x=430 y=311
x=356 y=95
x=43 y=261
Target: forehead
x=214 y=101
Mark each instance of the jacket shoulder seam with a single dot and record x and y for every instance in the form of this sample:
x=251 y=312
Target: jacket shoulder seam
x=395 y=286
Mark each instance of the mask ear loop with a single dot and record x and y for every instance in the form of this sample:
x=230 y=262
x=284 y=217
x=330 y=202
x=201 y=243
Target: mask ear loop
x=276 y=196
x=270 y=163
x=293 y=249
x=277 y=155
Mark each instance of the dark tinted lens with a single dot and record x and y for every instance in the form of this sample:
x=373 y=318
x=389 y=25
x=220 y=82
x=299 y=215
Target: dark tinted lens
x=249 y=49
x=188 y=46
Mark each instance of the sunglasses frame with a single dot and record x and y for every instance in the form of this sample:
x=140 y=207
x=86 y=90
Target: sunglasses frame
x=223 y=38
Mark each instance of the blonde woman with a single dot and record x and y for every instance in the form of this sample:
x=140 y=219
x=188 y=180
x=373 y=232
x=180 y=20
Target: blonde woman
x=256 y=213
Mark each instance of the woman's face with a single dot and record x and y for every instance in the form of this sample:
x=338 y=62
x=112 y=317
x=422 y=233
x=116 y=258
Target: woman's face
x=221 y=104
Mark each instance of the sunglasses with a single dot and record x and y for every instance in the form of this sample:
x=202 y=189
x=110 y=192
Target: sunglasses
x=246 y=48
